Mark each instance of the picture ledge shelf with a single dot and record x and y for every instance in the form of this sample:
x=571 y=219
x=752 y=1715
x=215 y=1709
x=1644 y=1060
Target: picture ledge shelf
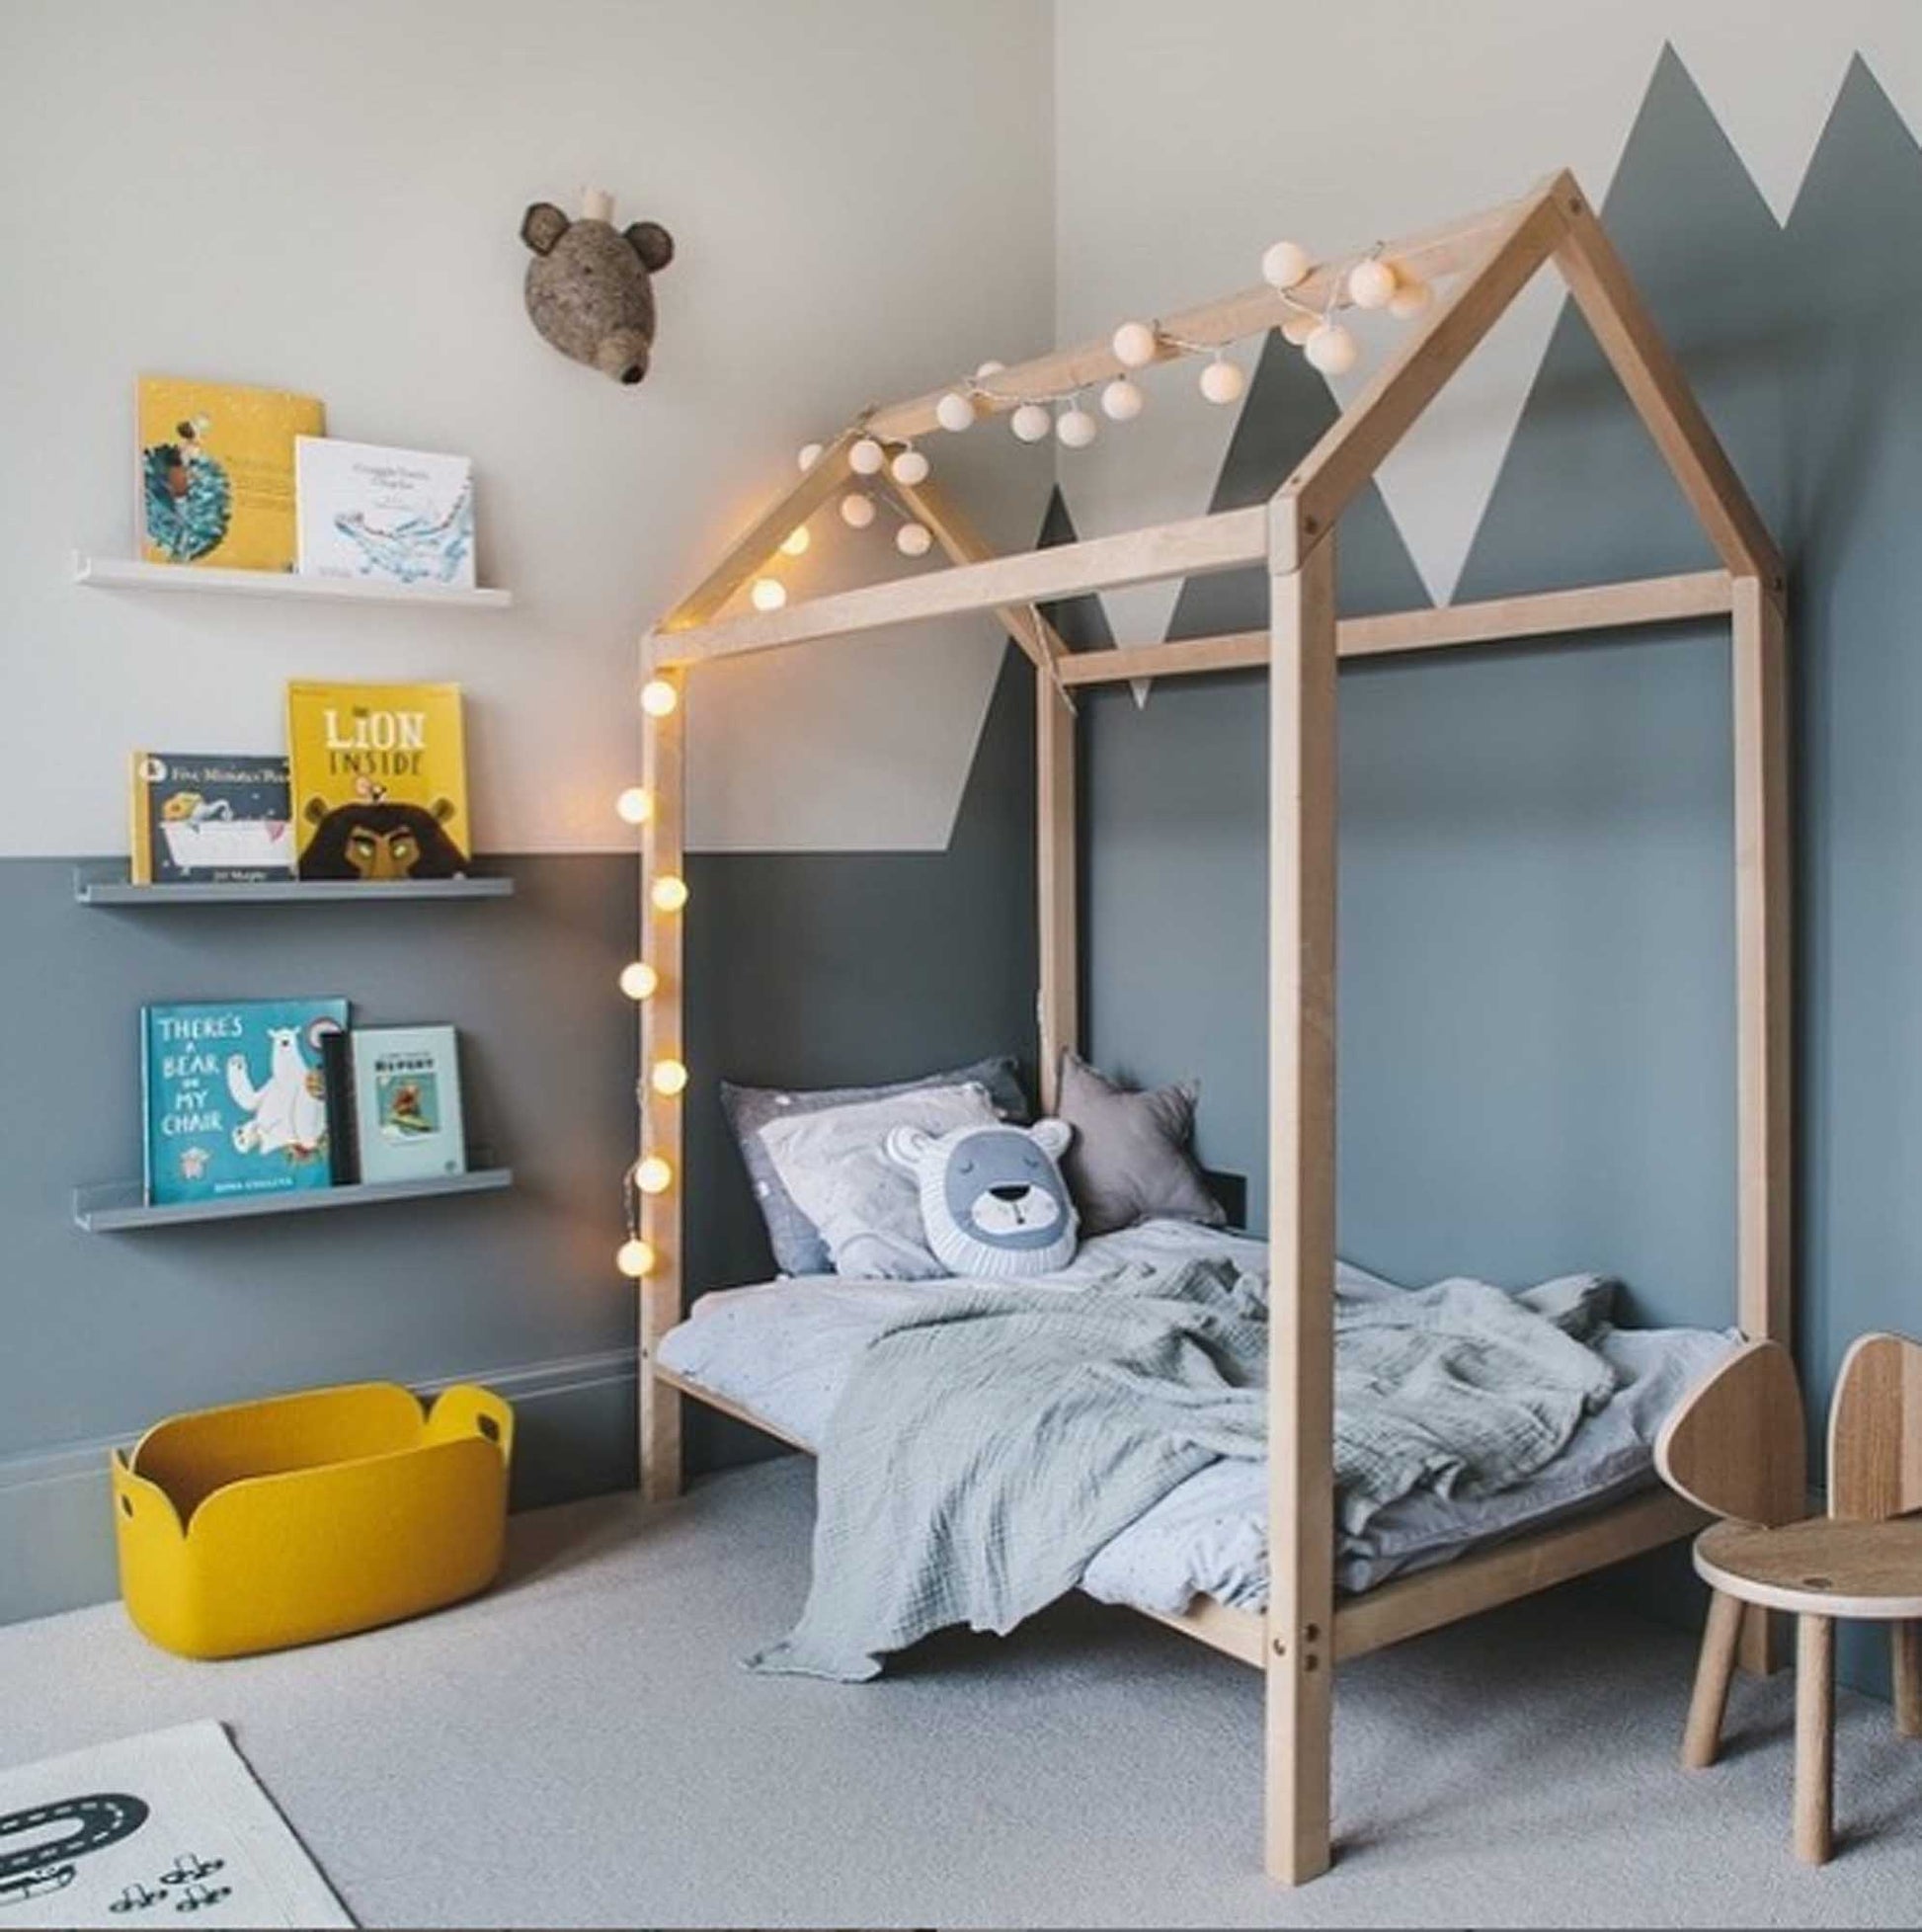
x=134 y=573
x=111 y=886
x=121 y=1206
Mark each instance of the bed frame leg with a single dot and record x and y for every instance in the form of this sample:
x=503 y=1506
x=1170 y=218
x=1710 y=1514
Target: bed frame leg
x=661 y=1407
x=1300 y=1658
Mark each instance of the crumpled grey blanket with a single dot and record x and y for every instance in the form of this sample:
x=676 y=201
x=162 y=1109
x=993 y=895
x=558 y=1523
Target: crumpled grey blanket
x=992 y=1439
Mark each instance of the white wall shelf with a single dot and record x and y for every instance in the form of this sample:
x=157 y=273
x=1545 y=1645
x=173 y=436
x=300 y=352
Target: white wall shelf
x=120 y=1206
x=110 y=886
x=134 y=573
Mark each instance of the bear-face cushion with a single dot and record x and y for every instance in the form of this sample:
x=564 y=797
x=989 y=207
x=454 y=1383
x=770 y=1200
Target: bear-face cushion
x=992 y=1202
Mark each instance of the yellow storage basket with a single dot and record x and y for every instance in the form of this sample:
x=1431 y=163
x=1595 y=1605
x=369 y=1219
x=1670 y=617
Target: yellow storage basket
x=314 y=1515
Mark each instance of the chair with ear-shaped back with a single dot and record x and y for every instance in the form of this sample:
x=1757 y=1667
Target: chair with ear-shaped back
x=1736 y=1445
x=1874 y=1472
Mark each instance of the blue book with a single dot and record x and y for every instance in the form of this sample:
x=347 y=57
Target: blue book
x=235 y=1099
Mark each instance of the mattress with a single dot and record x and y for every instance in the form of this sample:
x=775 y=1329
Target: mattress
x=784 y=1349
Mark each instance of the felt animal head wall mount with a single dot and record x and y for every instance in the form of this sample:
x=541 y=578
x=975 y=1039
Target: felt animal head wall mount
x=589 y=285
x=992 y=1201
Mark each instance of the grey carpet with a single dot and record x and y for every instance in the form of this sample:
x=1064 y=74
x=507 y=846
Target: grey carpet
x=582 y=1747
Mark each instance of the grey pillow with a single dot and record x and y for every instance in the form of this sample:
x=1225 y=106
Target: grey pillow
x=1129 y=1160
x=795 y=1240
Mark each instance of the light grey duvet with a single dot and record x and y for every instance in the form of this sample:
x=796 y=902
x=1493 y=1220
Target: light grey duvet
x=788 y=1349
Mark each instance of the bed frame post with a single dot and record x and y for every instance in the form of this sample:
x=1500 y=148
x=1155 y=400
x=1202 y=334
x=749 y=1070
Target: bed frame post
x=1763 y=1022
x=660 y=1113
x=1055 y=880
x=1300 y=1652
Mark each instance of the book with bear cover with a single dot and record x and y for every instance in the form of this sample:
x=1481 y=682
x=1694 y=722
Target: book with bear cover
x=395 y=516
x=207 y=817
x=234 y=1097
x=379 y=777
x=406 y=1099
x=216 y=473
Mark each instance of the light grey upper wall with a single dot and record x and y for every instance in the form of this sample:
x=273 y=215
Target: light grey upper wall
x=328 y=199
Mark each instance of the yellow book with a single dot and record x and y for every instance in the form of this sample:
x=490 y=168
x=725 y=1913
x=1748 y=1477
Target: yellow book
x=216 y=473
x=380 y=781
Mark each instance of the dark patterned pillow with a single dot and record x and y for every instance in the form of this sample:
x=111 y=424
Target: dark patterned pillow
x=796 y=1241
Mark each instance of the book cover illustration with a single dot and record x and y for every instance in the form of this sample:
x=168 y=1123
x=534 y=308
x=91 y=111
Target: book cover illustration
x=379 y=775
x=407 y=1103
x=395 y=516
x=204 y=817
x=236 y=1100
x=216 y=473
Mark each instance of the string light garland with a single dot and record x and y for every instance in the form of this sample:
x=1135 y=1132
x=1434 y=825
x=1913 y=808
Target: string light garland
x=668 y=892
x=795 y=543
x=659 y=697
x=668 y=1078
x=768 y=593
x=653 y=1174
x=635 y=805
x=857 y=510
x=639 y=981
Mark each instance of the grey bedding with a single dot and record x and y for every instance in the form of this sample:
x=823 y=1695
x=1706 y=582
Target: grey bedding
x=786 y=1351
x=992 y=1439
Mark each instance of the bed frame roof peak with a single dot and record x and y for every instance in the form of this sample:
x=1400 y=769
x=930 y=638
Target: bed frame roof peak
x=1492 y=256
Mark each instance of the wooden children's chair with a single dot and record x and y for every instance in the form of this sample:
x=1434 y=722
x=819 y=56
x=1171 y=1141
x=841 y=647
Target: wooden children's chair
x=1734 y=1447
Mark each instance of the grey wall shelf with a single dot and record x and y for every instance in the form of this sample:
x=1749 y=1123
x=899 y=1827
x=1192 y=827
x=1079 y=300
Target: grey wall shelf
x=120 y=1206
x=110 y=886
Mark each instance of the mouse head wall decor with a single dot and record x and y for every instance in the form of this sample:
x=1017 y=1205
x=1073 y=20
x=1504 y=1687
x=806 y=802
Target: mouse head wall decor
x=589 y=287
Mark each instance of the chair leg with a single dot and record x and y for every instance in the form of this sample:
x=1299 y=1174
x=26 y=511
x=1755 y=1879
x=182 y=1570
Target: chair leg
x=1815 y=1737
x=1905 y=1661
x=1702 y=1739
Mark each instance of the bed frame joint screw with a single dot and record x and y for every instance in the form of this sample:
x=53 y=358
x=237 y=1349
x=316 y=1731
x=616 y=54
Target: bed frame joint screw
x=1281 y=1648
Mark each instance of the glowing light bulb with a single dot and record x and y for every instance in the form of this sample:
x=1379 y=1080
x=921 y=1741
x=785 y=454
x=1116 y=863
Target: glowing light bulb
x=856 y=510
x=638 y=980
x=1030 y=423
x=1284 y=264
x=635 y=1259
x=912 y=539
x=795 y=543
x=809 y=456
x=653 y=1175
x=635 y=805
x=768 y=594
x=1133 y=345
x=955 y=412
x=668 y=892
x=1122 y=401
x=1221 y=381
x=910 y=467
x=669 y=1076
x=865 y=457
x=659 y=697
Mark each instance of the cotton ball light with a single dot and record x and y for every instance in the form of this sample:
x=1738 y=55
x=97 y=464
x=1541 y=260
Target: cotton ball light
x=912 y=539
x=1077 y=429
x=1299 y=325
x=659 y=698
x=955 y=412
x=668 y=892
x=987 y=369
x=1133 y=345
x=668 y=1078
x=1371 y=283
x=653 y=1174
x=1122 y=401
x=639 y=980
x=634 y=1259
x=1284 y=265
x=768 y=593
x=809 y=456
x=1030 y=423
x=867 y=457
x=911 y=467
x=856 y=510
x=1332 y=349
x=795 y=543
x=635 y=805
x=1410 y=299
x=1221 y=381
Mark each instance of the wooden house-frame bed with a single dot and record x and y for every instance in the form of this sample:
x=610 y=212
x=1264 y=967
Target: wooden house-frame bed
x=1484 y=261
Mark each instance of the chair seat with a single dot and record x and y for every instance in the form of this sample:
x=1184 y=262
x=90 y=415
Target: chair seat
x=1820 y=1568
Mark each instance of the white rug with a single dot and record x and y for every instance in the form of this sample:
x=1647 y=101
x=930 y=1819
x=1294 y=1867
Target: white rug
x=169 y=1828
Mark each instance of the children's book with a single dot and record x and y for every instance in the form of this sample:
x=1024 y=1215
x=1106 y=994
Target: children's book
x=216 y=473
x=407 y=1103
x=203 y=816
x=395 y=516
x=236 y=1101
x=337 y=1068
x=379 y=782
